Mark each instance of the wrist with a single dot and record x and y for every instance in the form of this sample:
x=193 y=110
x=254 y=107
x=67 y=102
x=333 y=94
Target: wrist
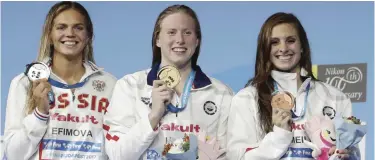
x=42 y=110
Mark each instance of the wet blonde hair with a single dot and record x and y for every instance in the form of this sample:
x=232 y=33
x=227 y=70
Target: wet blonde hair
x=46 y=45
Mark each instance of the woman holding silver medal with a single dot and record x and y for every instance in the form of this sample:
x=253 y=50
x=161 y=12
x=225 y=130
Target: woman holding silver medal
x=55 y=108
x=266 y=120
x=152 y=107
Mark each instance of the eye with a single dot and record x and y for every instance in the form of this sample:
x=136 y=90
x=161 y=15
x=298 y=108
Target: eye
x=274 y=42
x=188 y=33
x=171 y=32
x=60 y=27
x=291 y=41
x=328 y=132
x=79 y=27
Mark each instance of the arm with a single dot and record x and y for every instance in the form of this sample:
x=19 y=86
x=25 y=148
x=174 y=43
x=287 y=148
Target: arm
x=223 y=119
x=128 y=135
x=243 y=133
x=22 y=133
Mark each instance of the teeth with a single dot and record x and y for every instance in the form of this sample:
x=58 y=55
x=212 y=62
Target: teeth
x=285 y=57
x=70 y=43
x=179 y=49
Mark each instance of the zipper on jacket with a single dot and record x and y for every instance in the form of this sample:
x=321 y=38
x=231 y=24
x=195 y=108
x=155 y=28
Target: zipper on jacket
x=177 y=107
x=74 y=96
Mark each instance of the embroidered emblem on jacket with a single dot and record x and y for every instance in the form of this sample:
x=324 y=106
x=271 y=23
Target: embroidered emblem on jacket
x=98 y=85
x=210 y=108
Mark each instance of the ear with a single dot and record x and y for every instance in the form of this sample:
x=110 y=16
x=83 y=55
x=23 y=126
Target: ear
x=158 y=42
x=197 y=42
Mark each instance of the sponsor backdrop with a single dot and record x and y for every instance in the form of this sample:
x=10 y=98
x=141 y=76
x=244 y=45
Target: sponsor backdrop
x=340 y=33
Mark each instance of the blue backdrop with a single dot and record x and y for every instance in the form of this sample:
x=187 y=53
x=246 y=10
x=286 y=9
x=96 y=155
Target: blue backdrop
x=339 y=32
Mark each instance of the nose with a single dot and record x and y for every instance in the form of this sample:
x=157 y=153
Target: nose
x=180 y=38
x=69 y=32
x=283 y=47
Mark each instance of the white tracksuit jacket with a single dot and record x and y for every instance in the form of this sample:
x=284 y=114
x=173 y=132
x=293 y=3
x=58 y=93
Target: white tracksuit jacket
x=72 y=130
x=246 y=141
x=130 y=134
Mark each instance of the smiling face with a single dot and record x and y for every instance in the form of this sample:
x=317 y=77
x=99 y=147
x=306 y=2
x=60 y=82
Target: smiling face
x=69 y=34
x=329 y=134
x=177 y=39
x=285 y=47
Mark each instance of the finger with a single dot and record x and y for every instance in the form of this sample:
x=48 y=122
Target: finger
x=44 y=80
x=275 y=111
x=162 y=88
x=285 y=120
x=36 y=83
x=45 y=91
x=157 y=83
x=165 y=93
x=38 y=90
x=332 y=150
x=343 y=156
x=166 y=99
x=342 y=151
x=286 y=113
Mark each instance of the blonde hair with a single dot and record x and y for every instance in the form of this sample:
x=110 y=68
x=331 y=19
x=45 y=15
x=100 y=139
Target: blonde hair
x=46 y=45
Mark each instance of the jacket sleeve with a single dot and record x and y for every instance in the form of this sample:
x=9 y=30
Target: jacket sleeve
x=223 y=120
x=244 y=135
x=128 y=135
x=22 y=132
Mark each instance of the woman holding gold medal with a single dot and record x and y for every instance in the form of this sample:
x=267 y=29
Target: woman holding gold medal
x=55 y=109
x=267 y=117
x=156 y=106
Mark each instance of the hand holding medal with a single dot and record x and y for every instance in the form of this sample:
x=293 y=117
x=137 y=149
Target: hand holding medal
x=282 y=104
x=162 y=92
x=171 y=76
x=284 y=108
x=38 y=73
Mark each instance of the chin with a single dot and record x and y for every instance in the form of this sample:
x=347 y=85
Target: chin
x=71 y=55
x=285 y=68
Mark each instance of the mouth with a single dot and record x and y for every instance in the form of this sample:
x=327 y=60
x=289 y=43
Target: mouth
x=69 y=43
x=179 y=49
x=284 y=57
x=333 y=140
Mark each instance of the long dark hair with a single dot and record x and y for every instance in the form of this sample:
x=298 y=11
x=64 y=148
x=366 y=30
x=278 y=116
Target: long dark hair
x=262 y=81
x=156 y=53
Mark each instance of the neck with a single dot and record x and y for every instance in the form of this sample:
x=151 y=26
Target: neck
x=70 y=70
x=299 y=79
x=296 y=70
x=184 y=72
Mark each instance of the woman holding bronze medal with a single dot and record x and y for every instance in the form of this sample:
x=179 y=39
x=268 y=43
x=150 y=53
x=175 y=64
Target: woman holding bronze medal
x=153 y=107
x=55 y=109
x=267 y=117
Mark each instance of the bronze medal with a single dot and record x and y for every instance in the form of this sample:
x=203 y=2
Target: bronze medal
x=283 y=100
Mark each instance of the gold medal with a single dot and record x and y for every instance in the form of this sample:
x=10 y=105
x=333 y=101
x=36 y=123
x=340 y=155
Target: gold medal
x=283 y=100
x=170 y=75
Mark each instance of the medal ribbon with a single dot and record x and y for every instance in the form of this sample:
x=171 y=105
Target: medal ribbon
x=185 y=94
x=66 y=86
